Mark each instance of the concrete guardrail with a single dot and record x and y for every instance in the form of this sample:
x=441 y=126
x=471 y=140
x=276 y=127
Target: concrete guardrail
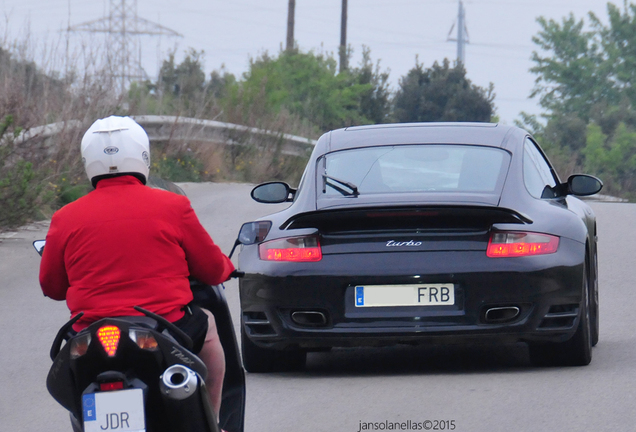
x=168 y=129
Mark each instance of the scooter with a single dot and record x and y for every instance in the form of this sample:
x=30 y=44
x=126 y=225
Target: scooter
x=137 y=373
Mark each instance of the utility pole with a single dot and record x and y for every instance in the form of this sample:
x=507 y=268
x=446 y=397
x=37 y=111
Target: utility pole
x=123 y=27
x=291 y=10
x=343 y=38
x=462 y=34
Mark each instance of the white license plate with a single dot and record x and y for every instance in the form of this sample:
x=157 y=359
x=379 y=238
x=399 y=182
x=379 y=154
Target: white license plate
x=121 y=410
x=404 y=295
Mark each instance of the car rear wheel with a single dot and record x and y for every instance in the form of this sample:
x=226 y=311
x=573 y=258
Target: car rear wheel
x=594 y=304
x=577 y=351
x=258 y=360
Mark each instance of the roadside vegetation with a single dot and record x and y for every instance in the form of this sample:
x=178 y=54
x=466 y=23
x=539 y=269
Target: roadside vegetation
x=586 y=71
x=299 y=93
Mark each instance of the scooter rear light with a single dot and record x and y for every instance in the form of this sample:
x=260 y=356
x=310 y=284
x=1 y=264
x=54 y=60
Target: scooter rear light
x=79 y=345
x=110 y=386
x=296 y=249
x=109 y=337
x=144 y=339
x=518 y=244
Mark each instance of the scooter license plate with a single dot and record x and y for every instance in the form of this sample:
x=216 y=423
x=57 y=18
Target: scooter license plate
x=121 y=410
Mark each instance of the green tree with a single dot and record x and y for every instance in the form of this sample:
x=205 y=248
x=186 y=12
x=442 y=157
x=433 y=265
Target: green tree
x=567 y=130
x=595 y=151
x=186 y=79
x=309 y=86
x=568 y=79
x=375 y=102
x=618 y=44
x=585 y=82
x=442 y=93
x=181 y=89
x=612 y=158
x=220 y=82
x=588 y=73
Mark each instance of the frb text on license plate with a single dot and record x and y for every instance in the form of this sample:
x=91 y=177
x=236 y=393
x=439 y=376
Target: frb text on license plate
x=116 y=410
x=405 y=295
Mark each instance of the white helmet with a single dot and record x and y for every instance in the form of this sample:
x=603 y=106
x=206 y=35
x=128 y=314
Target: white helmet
x=114 y=146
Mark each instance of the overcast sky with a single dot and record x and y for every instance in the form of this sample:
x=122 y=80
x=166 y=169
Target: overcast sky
x=396 y=31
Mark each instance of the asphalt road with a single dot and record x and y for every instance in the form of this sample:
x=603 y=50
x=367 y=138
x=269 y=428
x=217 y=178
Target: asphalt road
x=478 y=388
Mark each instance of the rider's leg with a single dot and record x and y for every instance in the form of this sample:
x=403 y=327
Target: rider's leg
x=214 y=358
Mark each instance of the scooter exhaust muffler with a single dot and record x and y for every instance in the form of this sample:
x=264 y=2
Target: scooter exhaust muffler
x=186 y=399
x=179 y=382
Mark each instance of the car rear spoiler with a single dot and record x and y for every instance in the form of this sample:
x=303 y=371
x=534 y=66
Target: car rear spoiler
x=411 y=217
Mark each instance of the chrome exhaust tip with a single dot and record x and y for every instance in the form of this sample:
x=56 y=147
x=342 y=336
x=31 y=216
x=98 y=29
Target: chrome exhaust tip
x=178 y=382
x=309 y=318
x=501 y=314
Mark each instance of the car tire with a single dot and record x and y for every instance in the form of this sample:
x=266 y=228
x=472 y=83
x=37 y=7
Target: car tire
x=576 y=351
x=262 y=360
x=594 y=312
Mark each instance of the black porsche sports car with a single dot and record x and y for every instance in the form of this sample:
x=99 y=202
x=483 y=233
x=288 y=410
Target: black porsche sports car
x=422 y=233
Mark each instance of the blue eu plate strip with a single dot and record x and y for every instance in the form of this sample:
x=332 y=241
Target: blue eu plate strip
x=359 y=296
x=88 y=403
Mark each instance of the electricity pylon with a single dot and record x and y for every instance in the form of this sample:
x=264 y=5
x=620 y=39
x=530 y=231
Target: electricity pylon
x=124 y=27
x=462 y=34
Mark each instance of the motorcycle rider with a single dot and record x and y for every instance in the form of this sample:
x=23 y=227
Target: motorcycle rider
x=125 y=244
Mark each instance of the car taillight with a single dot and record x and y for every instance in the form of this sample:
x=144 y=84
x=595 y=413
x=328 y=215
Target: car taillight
x=144 y=339
x=110 y=386
x=296 y=249
x=109 y=337
x=518 y=244
x=79 y=345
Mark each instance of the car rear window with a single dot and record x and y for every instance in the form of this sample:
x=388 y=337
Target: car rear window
x=417 y=168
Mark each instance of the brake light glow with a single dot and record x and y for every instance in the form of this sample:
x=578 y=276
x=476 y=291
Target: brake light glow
x=79 y=345
x=518 y=244
x=296 y=249
x=110 y=386
x=144 y=339
x=109 y=337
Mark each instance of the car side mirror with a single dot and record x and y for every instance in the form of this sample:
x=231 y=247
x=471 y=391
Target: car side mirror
x=254 y=232
x=251 y=233
x=39 y=246
x=273 y=193
x=584 y=185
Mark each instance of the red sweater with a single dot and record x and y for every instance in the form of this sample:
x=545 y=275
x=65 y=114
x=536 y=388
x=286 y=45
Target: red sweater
x=125 y=245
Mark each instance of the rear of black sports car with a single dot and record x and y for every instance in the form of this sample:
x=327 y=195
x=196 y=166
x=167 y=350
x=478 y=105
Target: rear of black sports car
x=462 y=292
x=372 y=267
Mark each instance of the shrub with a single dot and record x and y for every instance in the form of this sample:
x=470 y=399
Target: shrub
x=22 y=191
x=181 y=167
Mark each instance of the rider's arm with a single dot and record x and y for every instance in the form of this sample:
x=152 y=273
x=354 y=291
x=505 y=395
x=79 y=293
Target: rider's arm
x=206 y=262
x=53 y=277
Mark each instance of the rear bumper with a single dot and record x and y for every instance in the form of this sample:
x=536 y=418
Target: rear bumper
x=546 y=290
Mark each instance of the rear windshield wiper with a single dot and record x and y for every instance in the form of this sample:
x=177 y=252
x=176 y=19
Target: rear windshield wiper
x=354 y=188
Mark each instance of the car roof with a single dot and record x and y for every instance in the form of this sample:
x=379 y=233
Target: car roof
x=490 y=134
